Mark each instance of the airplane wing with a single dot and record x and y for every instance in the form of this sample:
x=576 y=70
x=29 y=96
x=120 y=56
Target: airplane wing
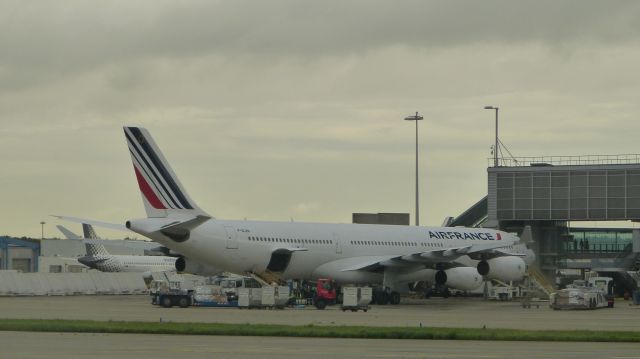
x=502 y=253
x=288 y=250
x=432 y=257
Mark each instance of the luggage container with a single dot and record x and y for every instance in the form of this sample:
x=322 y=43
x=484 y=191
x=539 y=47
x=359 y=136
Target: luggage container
x=265 y=297
x=356 y=298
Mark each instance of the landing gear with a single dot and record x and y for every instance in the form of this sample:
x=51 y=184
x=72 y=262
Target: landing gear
x=438 y=290
x=394 y=298
x=382 y=297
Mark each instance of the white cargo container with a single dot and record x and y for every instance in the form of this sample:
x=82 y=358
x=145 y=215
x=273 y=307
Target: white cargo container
x=283 y=293
x=268 y=296
x=265 y=297
x=244 y=297
x=356 y=298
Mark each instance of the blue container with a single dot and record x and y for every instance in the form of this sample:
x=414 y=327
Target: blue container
x=636 y=297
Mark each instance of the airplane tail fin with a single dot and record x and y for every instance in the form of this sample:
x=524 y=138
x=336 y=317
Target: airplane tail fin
x=95 y=249
x=162 y=193
x=527 y=236
x=88 y=231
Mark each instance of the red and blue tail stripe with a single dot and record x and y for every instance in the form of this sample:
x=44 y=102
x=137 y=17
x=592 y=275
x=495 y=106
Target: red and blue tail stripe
x=155 y=179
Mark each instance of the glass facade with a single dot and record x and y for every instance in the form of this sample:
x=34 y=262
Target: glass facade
x=593 y=240
x=553 y=194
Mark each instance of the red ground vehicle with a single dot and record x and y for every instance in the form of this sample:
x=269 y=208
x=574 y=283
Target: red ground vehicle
x=325 y=293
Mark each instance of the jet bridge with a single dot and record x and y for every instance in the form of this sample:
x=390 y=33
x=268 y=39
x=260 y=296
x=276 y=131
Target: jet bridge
x=472 y=217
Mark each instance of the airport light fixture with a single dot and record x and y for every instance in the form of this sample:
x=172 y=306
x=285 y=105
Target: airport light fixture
x=416 y=118
x=495 y=148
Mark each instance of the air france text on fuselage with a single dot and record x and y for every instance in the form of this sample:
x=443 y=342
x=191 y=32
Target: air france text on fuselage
x=483 y=236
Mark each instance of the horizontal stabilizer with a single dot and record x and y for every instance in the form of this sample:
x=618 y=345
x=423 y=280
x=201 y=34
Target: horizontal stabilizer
x=115 y=226
x=185 y=225
x=178 y=230
x=67 y=233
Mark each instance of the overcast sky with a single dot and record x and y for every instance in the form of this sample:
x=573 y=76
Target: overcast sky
x=280 y=110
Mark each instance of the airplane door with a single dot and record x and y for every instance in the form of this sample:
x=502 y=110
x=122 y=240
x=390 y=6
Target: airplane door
x=336 y=239
x=232 y=237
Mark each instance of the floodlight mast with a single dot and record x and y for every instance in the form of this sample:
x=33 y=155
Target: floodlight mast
x=495 y=148
x=416 y=118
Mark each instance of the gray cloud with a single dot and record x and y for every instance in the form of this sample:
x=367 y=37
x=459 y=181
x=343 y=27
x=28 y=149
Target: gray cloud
x=286 y=108
x=76 y=33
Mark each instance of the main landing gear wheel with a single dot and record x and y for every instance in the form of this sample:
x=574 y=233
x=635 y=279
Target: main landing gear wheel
x=382 y=298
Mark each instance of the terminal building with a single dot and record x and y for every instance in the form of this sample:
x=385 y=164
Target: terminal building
x=29 y=255
x=552 y=195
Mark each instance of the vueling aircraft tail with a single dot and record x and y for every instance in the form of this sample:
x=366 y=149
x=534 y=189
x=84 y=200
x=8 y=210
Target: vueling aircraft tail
x=162 y=192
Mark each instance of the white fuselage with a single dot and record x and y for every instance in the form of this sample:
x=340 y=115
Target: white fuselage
x=331 y=249
x=131 y=263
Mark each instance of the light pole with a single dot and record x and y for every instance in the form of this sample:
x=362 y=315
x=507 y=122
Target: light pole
x=42 y=224
x=416 y=118
x=495 y=148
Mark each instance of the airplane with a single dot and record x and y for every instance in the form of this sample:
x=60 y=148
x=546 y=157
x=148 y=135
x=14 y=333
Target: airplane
x=387 y=255
x=99 y=258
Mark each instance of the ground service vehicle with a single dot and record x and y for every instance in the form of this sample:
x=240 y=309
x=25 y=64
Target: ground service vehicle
x=201 y=296
x=605 y=285
x=580 y=296
x=325 y=293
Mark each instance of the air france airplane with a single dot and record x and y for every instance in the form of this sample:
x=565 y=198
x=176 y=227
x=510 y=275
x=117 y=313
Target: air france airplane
x=349 y=253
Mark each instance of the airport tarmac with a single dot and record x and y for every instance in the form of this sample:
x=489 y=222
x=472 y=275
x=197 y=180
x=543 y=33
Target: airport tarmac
x=435 y=312
x=144 y=346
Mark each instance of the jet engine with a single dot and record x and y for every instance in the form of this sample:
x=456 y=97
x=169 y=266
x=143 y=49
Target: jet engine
x=463 y=278
x=509 y=268
x=186 y=265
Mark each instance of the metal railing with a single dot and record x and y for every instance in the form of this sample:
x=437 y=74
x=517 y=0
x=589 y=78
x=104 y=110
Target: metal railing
x=599 y=248
x=584 y=160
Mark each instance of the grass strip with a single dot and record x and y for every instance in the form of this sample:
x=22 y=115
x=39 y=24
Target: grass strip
x=86 y=326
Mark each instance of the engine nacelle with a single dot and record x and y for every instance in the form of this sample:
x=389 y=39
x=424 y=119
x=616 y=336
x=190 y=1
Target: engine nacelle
x=463 y=278
x=187 y=265
x=509 y=268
